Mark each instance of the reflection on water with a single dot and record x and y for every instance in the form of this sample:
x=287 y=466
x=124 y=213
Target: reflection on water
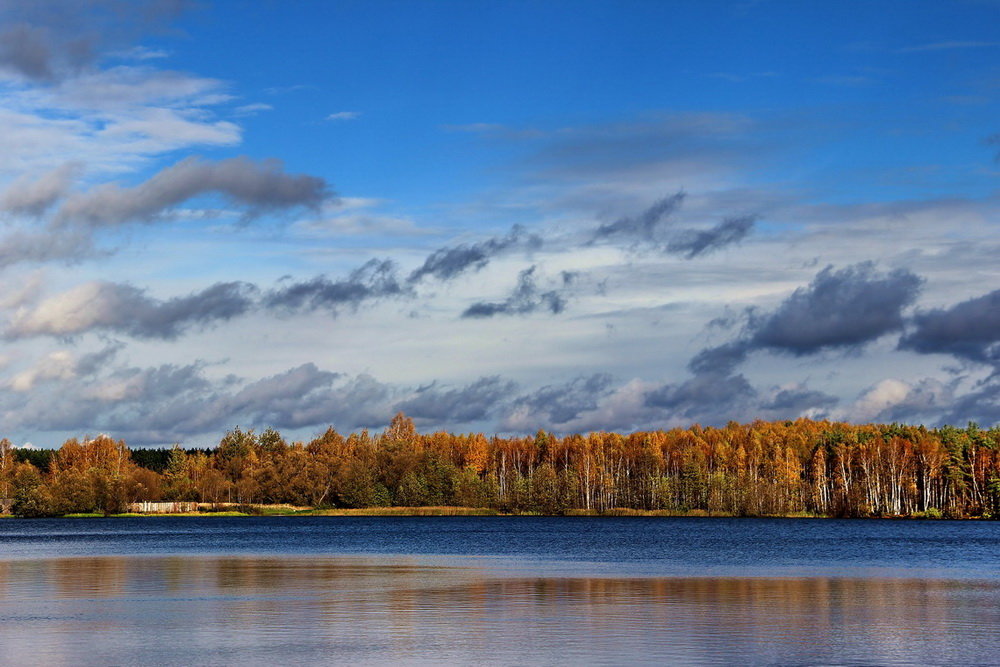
x=224 y=610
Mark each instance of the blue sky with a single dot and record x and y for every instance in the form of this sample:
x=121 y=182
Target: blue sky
x=499 y=216
x=849 y=73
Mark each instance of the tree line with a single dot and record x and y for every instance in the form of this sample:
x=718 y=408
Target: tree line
x=805 y=466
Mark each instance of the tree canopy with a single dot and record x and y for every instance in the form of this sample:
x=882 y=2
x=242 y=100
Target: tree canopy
x=757 y=469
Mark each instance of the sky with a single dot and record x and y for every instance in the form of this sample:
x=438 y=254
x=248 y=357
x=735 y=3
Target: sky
x=495 y=216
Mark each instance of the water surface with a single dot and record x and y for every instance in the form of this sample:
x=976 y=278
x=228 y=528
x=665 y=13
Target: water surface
x=497 y=590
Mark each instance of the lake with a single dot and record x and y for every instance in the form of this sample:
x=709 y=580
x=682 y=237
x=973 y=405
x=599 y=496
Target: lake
x=497 y=590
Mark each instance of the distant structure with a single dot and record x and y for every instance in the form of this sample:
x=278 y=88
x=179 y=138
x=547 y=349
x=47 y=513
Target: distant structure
x=147 y=507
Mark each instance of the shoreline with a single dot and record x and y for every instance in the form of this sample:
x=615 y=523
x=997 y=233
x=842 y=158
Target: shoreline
x=440 y=511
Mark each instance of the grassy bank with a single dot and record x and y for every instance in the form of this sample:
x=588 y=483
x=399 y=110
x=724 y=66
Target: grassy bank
x=406 y=511
x=624 y=511
x=98 y=515
x=288 y=510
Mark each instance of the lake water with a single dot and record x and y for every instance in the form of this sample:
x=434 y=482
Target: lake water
x=497 y=590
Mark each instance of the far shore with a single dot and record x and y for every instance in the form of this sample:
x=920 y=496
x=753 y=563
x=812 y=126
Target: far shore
x=292 y=511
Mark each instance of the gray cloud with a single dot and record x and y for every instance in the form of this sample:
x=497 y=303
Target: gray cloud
x=361 y=402
x=126 y=309
x=708 y=397
x=655 y=228
x=981 y=405
x=300 y=396
x=34 y=196
x=717 y=393
x=650 y=226
x=257 y=186
x=288 y=399
x=722 y=360
x=151 y=385
x=554 y=405
x=473 y=402
x=691 y=242
x=839 y=309
x=104 y=398
x=176 y=403
x=968 y=330
x=172 y=403
x=526 y=298
x=376 y=279
x=448 y=262
x=94 y=362
x=794 y=401
x=46 y=40
x=71 y=245
x=25 y=49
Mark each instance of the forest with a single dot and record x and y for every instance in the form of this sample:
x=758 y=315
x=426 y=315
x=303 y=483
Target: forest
x=802 y=467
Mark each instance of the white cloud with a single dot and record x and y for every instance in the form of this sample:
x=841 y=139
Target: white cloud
x=252 y=109
x=59 y=365
x=344 y=115
x=356 y=216
x=893 y=400
x=141 y=53
x=25 y=291
x=126 y=87
x=70 y=312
